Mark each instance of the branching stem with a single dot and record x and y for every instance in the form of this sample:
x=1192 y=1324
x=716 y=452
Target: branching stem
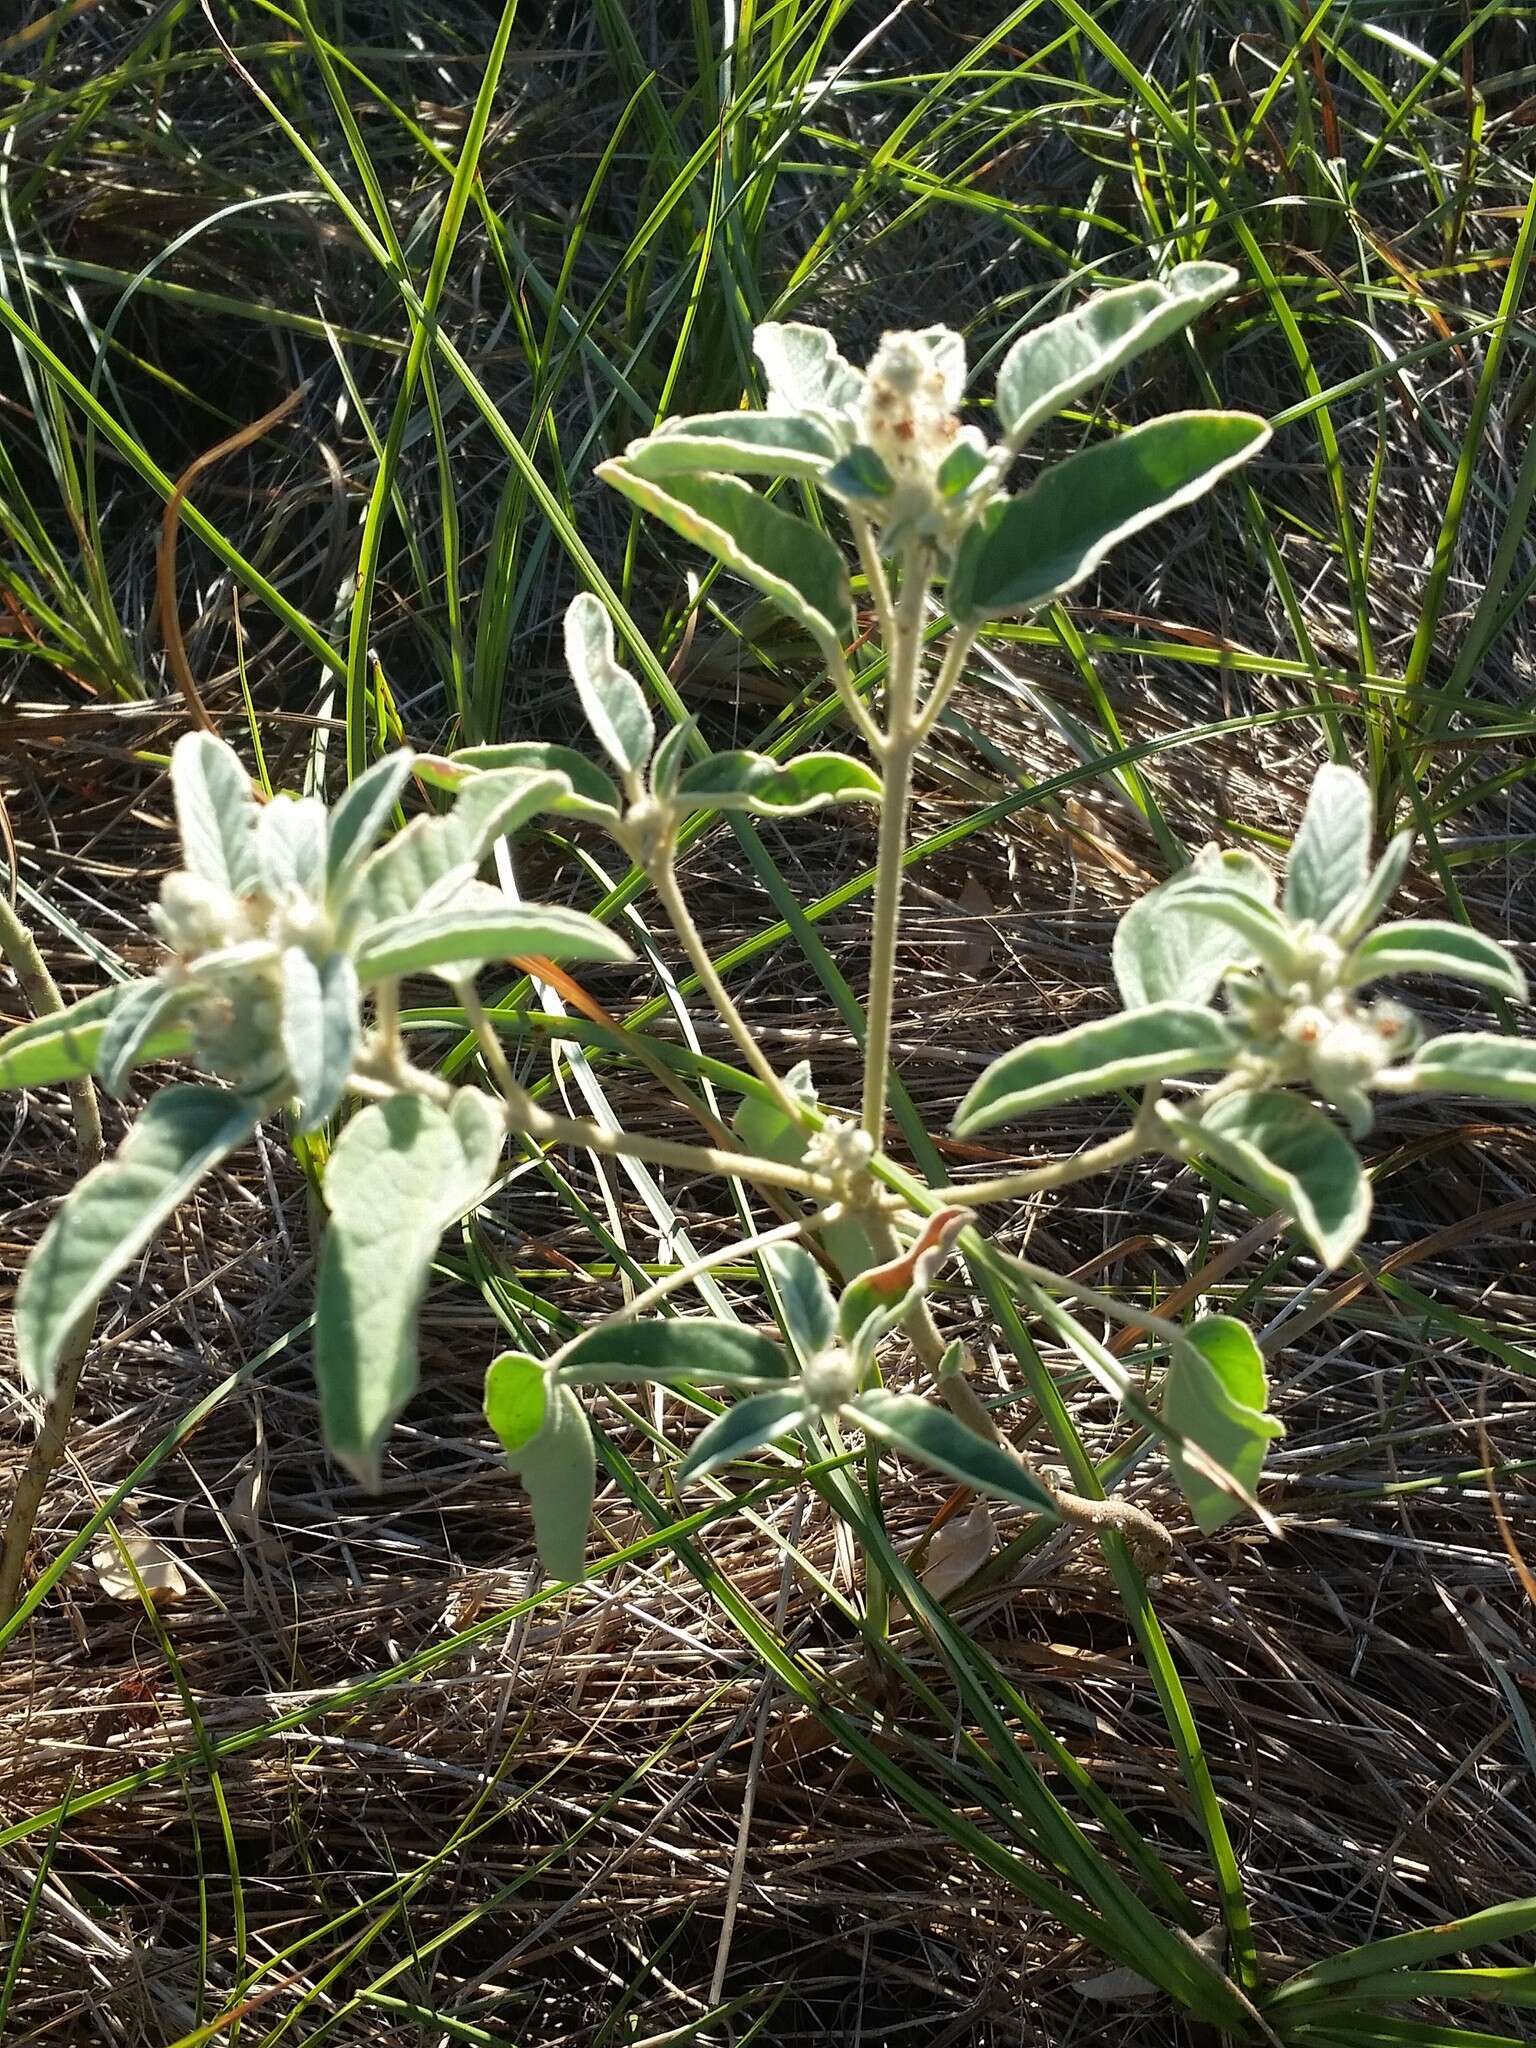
x=1065 y=1173
x=663 y=876
x=897 y=755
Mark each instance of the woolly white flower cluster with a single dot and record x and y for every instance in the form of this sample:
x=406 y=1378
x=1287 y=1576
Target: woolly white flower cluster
x=1315 y=1029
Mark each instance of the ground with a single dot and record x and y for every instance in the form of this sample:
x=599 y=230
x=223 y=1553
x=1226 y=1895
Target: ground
x=370 y=1777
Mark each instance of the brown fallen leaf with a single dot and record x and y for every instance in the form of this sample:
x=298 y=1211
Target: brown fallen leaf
x=157 y=1569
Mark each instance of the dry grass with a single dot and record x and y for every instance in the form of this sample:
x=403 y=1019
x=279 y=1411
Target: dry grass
x=575 y=1824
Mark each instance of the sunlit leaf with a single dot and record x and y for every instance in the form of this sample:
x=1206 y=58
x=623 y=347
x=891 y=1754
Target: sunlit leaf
x=1475 y=1063
x=1216 y=1394
x=1436 y=947
x=613 y=701
x=1288 y=1152
x=516 y=1398
x=1149 y=1044
x=1051 y=365
x=215 y=813
x=592 y=789
x=1024 y=551
x=758 y=1420
x=742 y=781
x=1354 y=915
x=291 y=846
x=432 y=853
x=400 y=1173
x=319 y=1029
x=411 y=945
x=1165 y=954
x=810 y=1312
x=935 y=1437
x=682 y=1350
x=359 y=816
x=1263 y=934
x=558 y=1468
x=736 y=443
x=108 y=1218
x=804 y=369
x=784 y=555
x=67 y=1043
x=142 y=1020
x=1331 y=854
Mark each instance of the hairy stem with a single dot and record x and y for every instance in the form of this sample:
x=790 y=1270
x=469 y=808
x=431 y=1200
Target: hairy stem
x=525 y=1115
x=38 y=986
x=664 y=880
x=897 y=754
x=1064 y=1173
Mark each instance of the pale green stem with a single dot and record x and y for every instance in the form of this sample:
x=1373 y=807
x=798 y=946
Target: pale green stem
x=905 y=657
x=42 y=995
x=526 y=1115
x=874 y=575
x=485 y=1035
x=1064 y=1173
x=962 y=639
x=663 y=878
x=852 y=702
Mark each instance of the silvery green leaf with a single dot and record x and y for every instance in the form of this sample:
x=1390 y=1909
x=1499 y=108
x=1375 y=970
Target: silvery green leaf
x=592 y=791
x=1150 y=1044
x=1331 y=854
x=759 y=1419
x=393 y=881
x=683 y=1350
x=935 y=1437
x=493 y=806
x=1289 y=1153
x=1162 y=953
x=516 y=1399
x=1435 y=946
x=320 y=1029
x=432 y=855
x=1051 y=365
x=671 y=758
x=1263 y=933
x=1022 y=552
x=744 y=781
x=804 y=369
x=215 y=813
x=108 y=1218
x=411 y=945
x=736 y=443
x=1474 y=1063
x=1352 y=918
x=810 y=1312
x=799 y=568
x=291 y=846
x=399 y=1174
x=1216 y=1395
x=611 y=698
x=547 y=1442
x=558 y=1468
x=359 y=817
x=67 y=1044
x=141 y=1020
